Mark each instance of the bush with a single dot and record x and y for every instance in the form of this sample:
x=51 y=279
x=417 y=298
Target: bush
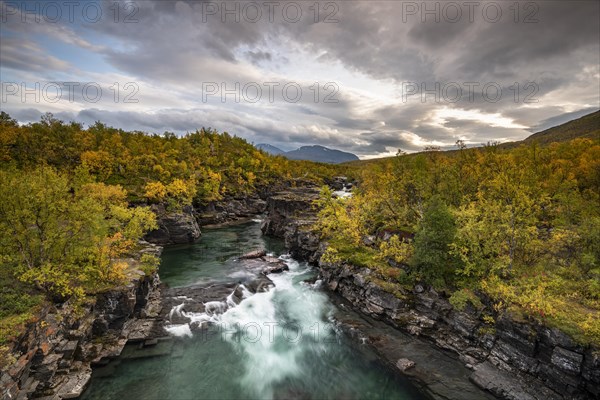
x=149 y=263
x=461 y=298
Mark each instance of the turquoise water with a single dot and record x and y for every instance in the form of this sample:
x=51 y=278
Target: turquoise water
x=280 y=344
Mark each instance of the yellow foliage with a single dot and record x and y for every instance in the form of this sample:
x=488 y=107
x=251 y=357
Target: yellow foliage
x=98 y=162
x=155 y=191
x=396 y=249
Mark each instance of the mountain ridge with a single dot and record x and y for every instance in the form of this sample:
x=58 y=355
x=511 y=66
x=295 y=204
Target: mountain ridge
x=315 y=152
x=587 y=126
x=269 y=148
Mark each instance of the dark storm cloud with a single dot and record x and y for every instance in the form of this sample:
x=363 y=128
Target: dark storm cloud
x=564 y=39
x=380 y=142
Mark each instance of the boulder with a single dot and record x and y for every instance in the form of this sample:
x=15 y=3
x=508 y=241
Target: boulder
x=285 y=208
x=253 y=254
x=404 y=363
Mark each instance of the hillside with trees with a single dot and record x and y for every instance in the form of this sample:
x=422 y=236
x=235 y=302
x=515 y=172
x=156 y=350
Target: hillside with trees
x=518 y=227
x=76 y=201
x=587 y=126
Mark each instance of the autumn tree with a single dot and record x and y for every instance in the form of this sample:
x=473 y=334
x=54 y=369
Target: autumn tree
x=53 y=234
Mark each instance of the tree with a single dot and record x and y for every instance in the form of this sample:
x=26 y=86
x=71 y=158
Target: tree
x=64 y=239
x=435 y=233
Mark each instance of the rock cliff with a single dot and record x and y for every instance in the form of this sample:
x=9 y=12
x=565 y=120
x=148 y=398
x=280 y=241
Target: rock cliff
x=53 y=358
x=174 y=227
x=512 y=358
x=229 y=210
x=290 y=215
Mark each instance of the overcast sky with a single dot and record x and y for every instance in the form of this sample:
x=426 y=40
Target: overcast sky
x=366 y=77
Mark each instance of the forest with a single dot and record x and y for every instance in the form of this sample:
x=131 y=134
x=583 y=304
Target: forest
x=76 y=201
x=514 y=228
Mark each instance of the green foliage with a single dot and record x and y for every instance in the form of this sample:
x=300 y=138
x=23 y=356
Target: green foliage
x=400 y=251
x=65 y=241
x=587 y=126
x=68 y=227
x=331 y=256
x=201 y=166
x=12 y=325
x=149 y=263
x=460 y=298
x=337 y=218
x=435 y=233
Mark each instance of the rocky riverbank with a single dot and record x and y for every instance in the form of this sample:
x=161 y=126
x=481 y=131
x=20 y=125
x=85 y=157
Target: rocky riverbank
x=53 y=359
x=510 y=357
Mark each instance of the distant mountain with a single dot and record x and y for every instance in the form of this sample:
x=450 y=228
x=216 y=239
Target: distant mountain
x=587 y=126
x=269 y=149
x=310 y=153
x=320 y=154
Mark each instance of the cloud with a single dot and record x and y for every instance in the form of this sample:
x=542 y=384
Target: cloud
x=372 y=49
x=26 y=55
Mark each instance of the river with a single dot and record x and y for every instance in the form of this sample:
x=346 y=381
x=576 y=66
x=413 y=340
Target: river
x=279 y=344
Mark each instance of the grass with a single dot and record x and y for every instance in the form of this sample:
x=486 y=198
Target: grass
x=546 y=299
x=587 y=126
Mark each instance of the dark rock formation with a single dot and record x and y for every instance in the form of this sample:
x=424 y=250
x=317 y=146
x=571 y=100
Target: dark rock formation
x=174 y=227
x=285 y=208
x=512 y=359
x=253 y=255
x=228 y=210
x=337 y=182
x=265 y=265
x=53 y=358
x=216 y=298
x=437 y=373
x=290 y=215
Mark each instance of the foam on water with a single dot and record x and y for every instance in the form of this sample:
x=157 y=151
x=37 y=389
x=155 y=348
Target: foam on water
x=283 y=343
x=180 y=330
x=272 y=331
x=213 y=311
x=276 y=329
x=342 y=194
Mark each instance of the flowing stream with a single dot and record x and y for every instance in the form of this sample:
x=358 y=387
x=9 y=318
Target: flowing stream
x=278 y=344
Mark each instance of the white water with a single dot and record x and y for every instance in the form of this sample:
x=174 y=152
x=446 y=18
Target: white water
x=271 y=331
x=342 y=194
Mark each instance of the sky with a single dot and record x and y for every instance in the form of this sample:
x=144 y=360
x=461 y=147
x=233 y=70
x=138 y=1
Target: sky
x=366 y=77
